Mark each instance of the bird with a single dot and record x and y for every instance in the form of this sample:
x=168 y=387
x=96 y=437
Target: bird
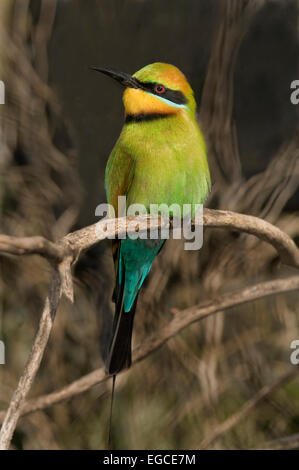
x=160 y=157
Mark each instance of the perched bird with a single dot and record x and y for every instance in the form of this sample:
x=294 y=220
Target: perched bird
x=159 y=158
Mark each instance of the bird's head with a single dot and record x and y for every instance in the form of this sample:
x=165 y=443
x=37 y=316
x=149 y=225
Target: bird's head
x=155 y=89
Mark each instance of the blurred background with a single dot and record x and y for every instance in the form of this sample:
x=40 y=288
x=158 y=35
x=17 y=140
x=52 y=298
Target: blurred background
x=58 y=126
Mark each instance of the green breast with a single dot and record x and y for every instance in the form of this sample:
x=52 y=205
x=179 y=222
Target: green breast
x=159 y=162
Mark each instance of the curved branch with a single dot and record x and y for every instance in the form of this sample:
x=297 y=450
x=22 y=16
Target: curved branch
x=284 y=245
x=181 y=320
x=87 y=237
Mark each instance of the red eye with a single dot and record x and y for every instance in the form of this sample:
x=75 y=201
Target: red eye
x=159 y=89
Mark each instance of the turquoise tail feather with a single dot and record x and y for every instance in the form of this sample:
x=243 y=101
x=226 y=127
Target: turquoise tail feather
x=136 y=259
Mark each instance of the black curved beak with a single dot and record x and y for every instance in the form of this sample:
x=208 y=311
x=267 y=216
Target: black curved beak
x=124 y=79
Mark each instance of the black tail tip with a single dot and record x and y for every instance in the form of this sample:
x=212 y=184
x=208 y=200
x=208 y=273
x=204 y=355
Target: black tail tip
x=117 y=364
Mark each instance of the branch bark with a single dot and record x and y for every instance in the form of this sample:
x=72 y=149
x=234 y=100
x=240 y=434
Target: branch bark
x=31 y=246
x=87 y=237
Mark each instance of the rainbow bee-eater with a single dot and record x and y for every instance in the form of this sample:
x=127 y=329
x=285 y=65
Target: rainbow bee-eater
x=159 y=158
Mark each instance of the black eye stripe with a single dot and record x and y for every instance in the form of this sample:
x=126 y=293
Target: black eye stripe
x=175 y=96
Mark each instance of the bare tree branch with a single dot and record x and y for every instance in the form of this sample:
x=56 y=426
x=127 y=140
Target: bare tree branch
x=181 y=320
x=89 y=236
x=31 y=246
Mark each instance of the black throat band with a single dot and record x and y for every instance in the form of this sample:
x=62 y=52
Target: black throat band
x=145 y=117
